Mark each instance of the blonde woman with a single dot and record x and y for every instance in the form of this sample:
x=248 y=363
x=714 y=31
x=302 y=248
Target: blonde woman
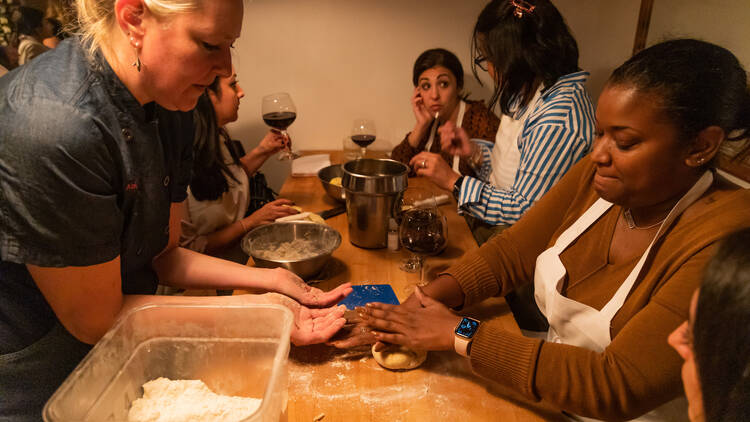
x=95 y=157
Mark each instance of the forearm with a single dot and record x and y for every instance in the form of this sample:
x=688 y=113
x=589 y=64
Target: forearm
x=252 y=161
x=226 y=236
x=490 y=204
x=416 y=135
x=444 y=289
x=184 y=268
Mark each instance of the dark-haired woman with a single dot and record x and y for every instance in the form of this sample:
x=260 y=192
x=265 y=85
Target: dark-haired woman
x=614 y=250
x=547 y=120
x=438 y=79
x=715 y=341
x=219 y=192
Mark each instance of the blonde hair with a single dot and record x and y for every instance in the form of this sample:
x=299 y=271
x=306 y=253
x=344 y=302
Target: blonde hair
x=96 y=18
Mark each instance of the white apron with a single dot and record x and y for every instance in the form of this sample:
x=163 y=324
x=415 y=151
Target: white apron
x=459 y=121
x=580 y=325
x=506 y=156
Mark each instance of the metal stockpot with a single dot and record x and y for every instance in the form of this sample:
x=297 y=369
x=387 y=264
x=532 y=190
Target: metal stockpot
x=373 y=188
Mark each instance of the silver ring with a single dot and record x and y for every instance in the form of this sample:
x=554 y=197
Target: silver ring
x=424 y=164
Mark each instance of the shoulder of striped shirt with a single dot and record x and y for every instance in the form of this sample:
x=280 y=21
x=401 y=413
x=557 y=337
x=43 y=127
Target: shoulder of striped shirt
x=565 y=102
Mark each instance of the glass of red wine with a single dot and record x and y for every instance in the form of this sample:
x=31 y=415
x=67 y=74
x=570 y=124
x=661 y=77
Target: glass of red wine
x=423 y=230
x=363 y=133
x=279 y=113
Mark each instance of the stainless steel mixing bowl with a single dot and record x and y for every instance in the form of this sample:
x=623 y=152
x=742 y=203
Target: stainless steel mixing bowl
x=325 y=175
x=262 y=241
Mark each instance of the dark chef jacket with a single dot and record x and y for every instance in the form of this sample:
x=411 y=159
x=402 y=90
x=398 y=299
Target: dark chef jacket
x=86 y=174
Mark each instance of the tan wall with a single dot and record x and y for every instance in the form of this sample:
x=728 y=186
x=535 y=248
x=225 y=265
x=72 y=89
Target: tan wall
x=723 y=22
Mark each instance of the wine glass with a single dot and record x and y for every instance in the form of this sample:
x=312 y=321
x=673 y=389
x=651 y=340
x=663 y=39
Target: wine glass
x=423 y=230
x=363 y=133
x=279 y=113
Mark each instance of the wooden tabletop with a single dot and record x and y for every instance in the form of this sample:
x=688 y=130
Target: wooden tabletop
x=350 y=385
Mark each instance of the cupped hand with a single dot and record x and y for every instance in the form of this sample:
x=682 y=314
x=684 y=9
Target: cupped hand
x=454 y=140
x=428 y=327
x=273 y=142
x=288 y=283
x=311 y=326
x=268 y=213
x=433 y=167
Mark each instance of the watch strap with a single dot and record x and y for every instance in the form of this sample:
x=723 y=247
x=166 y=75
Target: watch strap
x=461 y=345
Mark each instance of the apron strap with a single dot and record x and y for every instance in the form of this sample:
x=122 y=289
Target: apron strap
x=459 y=121
x=699 y=188
x=585 y=221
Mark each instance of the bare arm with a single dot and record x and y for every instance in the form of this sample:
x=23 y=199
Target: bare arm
x=272 y=143
x=88 y=300
x=180 y=267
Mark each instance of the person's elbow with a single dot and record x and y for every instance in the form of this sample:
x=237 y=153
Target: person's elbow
x=88 y=326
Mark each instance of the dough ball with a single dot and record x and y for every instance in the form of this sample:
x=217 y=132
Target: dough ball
x=336 y=181
x=399 y=357
x=315 y=218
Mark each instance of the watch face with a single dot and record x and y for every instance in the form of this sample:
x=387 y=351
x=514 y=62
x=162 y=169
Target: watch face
x=467 y=327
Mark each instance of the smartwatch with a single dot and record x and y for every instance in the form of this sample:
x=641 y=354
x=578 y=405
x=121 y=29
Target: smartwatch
x=464 y=333
x=457 y=187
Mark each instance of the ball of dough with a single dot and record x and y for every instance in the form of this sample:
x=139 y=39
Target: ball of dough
x=315 y=218
x=336 y=181
x=395 y=356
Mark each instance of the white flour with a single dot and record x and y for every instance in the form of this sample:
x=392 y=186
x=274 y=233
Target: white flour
x=165 y=400
x=295 y=250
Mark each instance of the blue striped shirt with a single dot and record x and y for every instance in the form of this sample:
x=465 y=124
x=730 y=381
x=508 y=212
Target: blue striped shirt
x=556 y=134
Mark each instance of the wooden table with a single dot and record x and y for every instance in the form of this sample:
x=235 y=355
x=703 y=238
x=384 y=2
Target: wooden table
x=350 y=385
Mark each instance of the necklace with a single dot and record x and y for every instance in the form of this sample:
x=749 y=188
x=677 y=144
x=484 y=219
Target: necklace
x=631 y=223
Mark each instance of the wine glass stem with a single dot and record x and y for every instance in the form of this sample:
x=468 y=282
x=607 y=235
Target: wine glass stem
x=286 y=153
x=421 y=263
x=364 y=150
x=285 y=134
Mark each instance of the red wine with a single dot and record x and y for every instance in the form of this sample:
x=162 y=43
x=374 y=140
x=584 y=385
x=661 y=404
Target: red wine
x=279 y=119
x=422 y=232
x=363 y=140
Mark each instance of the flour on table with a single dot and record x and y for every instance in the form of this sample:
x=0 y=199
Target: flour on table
x=165 y=400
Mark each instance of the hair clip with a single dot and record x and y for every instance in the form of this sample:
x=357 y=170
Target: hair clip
x=522 y=7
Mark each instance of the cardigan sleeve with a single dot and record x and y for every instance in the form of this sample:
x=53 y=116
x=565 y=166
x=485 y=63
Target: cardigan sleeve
x=404 y=152
x=507 y=260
